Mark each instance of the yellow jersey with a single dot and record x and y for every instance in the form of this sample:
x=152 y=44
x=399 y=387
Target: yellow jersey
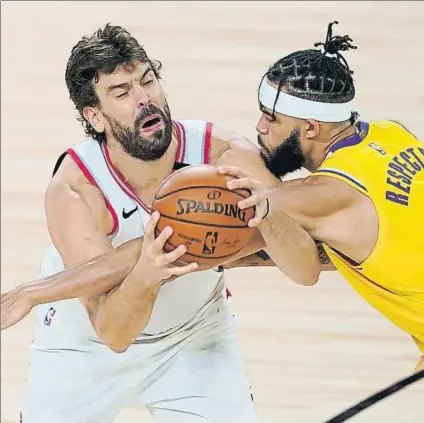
x=385 y=162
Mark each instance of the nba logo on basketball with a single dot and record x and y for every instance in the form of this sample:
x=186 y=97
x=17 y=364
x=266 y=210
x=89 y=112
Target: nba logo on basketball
x=209 y=245
x=49 y=316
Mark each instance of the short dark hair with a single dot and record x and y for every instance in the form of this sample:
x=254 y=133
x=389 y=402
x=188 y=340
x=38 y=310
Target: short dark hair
x=103 y=51
x=312 y=75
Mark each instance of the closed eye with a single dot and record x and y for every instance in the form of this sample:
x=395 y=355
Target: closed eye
x=270 y=118
x=148 y=83
x=123 y=95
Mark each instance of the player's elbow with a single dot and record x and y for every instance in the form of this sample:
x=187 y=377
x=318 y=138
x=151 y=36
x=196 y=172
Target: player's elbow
x=308 y=280
x=115 y=338
x=115 y=342
x=306 y=276
x=118 y=347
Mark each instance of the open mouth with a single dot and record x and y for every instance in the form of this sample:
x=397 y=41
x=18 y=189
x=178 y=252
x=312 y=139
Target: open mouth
x=151 y=123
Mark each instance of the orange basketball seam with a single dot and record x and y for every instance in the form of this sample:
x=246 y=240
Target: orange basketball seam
x=204 y=224
x=201 y=187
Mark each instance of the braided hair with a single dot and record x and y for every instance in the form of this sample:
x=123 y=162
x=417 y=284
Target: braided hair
x=317 y=75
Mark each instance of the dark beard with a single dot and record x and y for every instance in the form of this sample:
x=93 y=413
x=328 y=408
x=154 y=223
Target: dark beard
x=146 y=149
x=285 y=158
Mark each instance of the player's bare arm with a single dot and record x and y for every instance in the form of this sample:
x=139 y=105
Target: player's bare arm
x=237 y=149
x=314 y=207
x=227 y=145
x=98 y=275
x=95 y=277
x=86 y=279
x=346 y=222
x=289 y=245
x=224 y=143
x=323 y=258
x=119 y=315
x=262 y=258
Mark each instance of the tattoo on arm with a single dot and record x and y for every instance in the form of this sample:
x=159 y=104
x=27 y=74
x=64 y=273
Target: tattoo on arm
x=322 y=255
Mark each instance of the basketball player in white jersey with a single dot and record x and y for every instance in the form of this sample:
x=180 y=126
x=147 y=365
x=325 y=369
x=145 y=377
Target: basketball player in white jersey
x=122 y=336
x=170 y=347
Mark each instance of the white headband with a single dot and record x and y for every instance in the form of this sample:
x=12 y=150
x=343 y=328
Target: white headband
x=303 y=109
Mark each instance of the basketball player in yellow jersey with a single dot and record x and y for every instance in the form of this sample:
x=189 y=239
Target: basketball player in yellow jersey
x=360 y=207
x=364 y=199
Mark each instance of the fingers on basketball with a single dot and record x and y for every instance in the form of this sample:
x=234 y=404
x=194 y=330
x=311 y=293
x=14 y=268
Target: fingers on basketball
x=161 y=238
x=179 y=271
x=246 y=183
x=253 y=223
x=149 y=232
x=204 y=214
x=175 y=254
x=253 y=200
x=230 y=170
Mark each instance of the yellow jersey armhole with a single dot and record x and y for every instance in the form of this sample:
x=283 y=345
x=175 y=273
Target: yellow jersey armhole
x=336 y=257
x=342 y=176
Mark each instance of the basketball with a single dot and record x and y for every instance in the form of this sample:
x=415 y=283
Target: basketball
x=204 y=214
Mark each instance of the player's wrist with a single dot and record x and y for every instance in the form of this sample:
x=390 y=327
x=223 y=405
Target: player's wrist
x=31 y=294
x=139 y=285
x=273 y=183
x=152 y=282
x=266 y=209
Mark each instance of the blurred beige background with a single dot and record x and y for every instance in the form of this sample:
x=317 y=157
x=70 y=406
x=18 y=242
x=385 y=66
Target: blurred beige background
x=310 y=352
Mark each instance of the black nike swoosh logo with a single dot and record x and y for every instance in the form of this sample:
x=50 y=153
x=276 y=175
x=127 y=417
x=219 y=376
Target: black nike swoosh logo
x=126 y=215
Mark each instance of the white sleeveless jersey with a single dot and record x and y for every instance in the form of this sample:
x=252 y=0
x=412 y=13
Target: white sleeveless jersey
x=65 y=323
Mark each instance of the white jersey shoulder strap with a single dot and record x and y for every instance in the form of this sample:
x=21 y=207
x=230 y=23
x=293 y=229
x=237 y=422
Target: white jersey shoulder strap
x=194 y=138
x=90 y=158
x=93 y=159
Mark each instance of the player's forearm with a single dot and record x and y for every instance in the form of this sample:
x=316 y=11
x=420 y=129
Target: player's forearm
x=122 y=314
x=290 y=246
x=89 y=278
x=253 y=254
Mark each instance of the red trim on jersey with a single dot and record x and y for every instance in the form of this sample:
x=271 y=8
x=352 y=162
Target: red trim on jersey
x=182 y=142
x=91 y=179
x=207 y=148
x=177 y=154
x=228 y=293
x=122 y=183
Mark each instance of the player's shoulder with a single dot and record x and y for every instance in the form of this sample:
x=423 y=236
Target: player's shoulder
x=67 y=171
x=191 y=126
x=219 y=134
x=390 y=128
x=223 y=140
x=69 y=164
x=68 y=180
x=387 y=124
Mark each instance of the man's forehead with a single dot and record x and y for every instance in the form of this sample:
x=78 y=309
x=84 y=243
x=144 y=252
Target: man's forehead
x=124 y=72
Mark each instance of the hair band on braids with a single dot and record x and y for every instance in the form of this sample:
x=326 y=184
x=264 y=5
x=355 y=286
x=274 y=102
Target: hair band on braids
x=310 y=84
x=290 y=105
